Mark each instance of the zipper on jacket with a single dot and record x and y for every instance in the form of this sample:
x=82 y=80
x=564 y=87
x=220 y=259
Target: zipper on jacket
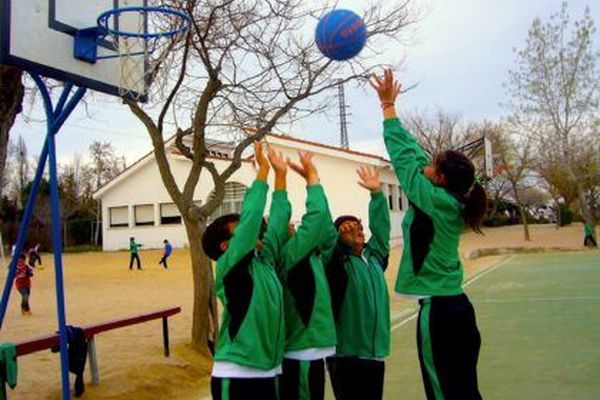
x=375 y=306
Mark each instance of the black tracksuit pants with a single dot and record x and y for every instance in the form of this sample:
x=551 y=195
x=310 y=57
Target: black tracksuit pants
x=354 y=378
x=448 y=341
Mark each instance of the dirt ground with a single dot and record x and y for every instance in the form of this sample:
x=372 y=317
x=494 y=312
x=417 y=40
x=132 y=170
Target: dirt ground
x=100 y=288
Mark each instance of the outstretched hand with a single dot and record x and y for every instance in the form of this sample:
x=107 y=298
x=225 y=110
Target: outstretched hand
x=306 y=168
x=261 y=160
x=277 y=161
x=369 y=178
x=387 y=87
x=259 y=156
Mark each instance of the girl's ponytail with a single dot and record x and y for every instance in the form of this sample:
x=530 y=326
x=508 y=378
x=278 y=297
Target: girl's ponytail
x=475 y=202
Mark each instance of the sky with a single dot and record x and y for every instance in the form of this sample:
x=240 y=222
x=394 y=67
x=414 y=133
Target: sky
x=458 y=55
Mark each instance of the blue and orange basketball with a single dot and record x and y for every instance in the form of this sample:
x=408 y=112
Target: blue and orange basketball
x=341 y=35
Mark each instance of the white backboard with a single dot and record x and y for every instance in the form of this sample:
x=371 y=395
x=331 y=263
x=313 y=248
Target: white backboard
x=38 y=36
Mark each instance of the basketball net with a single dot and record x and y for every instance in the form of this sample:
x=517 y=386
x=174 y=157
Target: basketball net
x=145 y=62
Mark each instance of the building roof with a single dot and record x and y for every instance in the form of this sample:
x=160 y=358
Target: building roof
x=221 y=150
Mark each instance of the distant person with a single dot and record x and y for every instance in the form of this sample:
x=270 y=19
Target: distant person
x=166 y=254
x=23 y=283
x=34 y=255
x=133 y=251
x=590 y=236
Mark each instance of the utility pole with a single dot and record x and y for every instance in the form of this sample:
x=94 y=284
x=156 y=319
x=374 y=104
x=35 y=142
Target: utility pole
x=343 y=122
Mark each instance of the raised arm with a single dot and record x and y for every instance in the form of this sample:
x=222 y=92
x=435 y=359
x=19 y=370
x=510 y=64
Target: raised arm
x=379 y=215
x=308 y=235
x=408 y=158
x=247 y=231
x=329 y=236
x=280 y=212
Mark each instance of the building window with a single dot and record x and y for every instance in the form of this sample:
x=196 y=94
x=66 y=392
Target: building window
x=391 y=197
x=169 y=214
x=119 y=216
x=144 y=215
x=232 y=202
x=400 y=206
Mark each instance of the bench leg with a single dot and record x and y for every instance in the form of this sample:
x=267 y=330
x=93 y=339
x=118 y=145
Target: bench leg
x=94 y=371
x=165 y=324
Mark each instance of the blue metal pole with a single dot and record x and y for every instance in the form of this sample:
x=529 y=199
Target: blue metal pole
x=63 y=98
x=57 y=236
x=55 y=119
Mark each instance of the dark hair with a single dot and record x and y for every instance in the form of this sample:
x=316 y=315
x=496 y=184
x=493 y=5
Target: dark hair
x=459 y=177
x=344 y=218
x=216 y=233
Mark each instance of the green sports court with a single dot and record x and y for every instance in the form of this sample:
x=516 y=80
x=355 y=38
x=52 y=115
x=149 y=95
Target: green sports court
x=539 y=317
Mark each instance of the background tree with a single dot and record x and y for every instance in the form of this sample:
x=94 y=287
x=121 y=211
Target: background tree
x=516 y=162
x=555 y=91
x=105 y=165
x=244 y=67
x=11 y=98
x=440 y=130
x=22 y=169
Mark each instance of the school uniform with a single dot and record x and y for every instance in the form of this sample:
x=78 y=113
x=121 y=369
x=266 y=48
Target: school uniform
x=430 y=270
x=251 y=339
x=362 y=310
x=133 y=252
x=310 y=329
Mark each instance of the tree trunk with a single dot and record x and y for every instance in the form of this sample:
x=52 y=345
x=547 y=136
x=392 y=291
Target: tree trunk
x=204 y=294
x=526 y=235
x=583 y=203
x=11 y=98
x=557 y=213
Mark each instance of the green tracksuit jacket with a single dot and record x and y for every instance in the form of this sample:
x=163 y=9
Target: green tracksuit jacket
x=252 y=330
x=431 y=228
x=308 y=315
x=359 y=292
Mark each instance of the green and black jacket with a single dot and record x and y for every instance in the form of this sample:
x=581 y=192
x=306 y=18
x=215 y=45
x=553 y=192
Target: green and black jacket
x=359 y=293
x=252 y=330
x=308 y=315
x=431 y=228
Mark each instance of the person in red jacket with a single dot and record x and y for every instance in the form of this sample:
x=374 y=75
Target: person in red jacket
x=23 y=283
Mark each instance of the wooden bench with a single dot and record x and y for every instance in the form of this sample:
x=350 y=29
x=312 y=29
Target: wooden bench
x=90 y=331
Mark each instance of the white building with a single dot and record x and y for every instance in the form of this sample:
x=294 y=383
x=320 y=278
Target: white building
x=137 y=204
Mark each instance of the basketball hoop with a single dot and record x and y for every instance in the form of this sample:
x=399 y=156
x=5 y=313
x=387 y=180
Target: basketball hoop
x=142 y=38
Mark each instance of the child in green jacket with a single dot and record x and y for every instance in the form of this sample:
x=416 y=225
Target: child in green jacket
x=251 y=339
x=360 y=299
x=310 y=330
x=444 y=196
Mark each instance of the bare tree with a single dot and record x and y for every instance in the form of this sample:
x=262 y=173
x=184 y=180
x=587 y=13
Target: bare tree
x=11 y=97
x=22 y=166
x=516 y=162
x=105 y=165
x=244 y=67
x=555 y=91
x=497 y=186
x=441 y=130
